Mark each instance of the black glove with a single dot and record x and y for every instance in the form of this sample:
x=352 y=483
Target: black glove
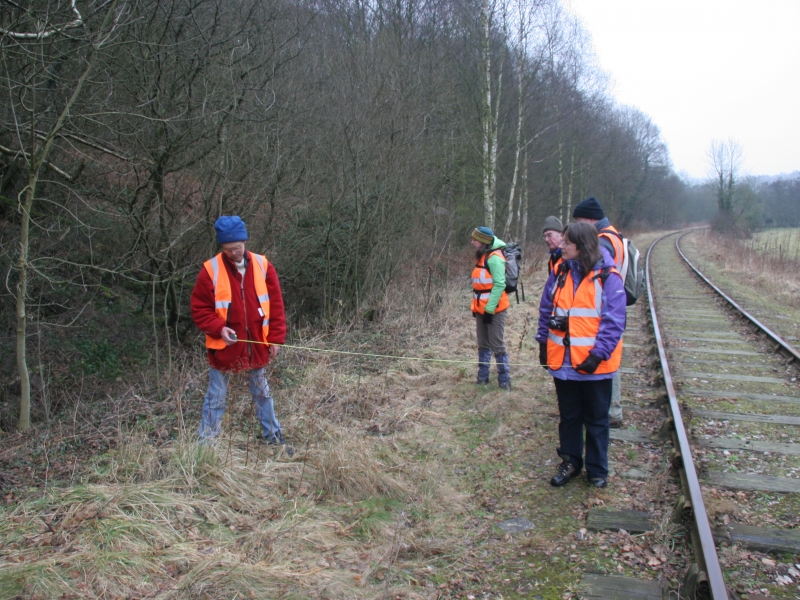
x=543 y=354
x=474 y=315
x=589 y=365
x=487 y=318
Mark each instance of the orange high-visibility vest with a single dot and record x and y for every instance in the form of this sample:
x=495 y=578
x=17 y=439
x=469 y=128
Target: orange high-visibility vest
x=482 y=284
x=582 y=307
x=552 y=267
x=223 y=295
x=615 y=237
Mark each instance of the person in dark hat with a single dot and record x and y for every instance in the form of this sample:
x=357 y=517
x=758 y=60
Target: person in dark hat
x=590 y=211
x=552 y=234
x=237 y=297
x=490 y=304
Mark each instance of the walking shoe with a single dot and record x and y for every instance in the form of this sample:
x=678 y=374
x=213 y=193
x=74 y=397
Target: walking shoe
x=506 y=386
x=615 y=423
x=482 y=382
x=277 y=440
x=598 y=482
x=566 y=471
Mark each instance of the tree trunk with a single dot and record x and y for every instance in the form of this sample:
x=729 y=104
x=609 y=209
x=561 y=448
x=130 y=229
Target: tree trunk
x=518 y=149
x=523 y=235
x=486 y=116
x=22 y=291
x=565 y=217
x=560 y=171
x=38 y=158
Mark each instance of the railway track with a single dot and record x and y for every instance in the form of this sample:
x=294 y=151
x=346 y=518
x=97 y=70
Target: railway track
x=732 y=403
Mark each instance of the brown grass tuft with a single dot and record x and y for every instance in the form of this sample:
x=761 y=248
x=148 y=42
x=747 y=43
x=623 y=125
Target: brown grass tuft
x=348 y=470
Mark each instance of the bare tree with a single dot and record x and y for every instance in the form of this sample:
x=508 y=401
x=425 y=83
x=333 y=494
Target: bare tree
x=48 y=52
x=725 y=159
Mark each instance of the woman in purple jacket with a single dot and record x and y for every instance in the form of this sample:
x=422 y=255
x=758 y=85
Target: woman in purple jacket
x=581 y=320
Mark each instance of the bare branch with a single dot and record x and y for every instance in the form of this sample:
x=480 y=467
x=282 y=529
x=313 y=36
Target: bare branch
x=46 y=32
x=71 y=178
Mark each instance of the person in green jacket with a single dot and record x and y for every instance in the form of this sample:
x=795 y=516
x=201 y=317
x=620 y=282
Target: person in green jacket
x=489 y=305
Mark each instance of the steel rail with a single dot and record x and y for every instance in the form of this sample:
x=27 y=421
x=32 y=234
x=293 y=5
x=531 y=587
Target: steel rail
x=708 y=549
x=795 y=355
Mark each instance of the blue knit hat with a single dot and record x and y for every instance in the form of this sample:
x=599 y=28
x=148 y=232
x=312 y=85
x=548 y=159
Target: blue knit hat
x=230 y=229
x=484 y=235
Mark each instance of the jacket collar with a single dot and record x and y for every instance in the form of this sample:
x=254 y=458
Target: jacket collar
x=602 y=223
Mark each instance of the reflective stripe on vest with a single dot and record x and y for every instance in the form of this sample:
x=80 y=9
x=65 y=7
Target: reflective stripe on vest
x=482 y=284
x=223 y=295
x=584 y=309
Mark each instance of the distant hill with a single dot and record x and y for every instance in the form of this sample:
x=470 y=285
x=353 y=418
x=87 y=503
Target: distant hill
x=756 y=179
x=764 y=179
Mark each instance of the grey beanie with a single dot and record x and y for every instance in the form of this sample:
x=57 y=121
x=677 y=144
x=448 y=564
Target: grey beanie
x=552 y=223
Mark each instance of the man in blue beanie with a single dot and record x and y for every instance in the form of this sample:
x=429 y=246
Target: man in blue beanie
x=590 y=211
x=237 y=296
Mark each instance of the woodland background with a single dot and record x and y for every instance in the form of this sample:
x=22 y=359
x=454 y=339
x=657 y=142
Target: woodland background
x=360 y=142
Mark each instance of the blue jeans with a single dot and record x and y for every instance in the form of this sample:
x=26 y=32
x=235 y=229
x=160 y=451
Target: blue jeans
x=584 y=404
x=214 y=403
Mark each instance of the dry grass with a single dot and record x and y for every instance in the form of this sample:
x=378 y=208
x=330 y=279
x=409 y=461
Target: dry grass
x=353 y=515
x=775 y=273
x=402 y=470
x=349 y=471
x=779 y=244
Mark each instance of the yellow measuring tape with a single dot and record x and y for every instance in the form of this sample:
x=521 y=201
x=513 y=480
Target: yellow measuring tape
x=441 y=360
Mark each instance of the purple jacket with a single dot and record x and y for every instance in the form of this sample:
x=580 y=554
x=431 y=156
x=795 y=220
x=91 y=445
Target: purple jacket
x=612 y=321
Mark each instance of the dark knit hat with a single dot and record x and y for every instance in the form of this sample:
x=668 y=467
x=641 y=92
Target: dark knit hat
x=230 y=229
x=552 y=223
x=484 y=235
x=589 y=209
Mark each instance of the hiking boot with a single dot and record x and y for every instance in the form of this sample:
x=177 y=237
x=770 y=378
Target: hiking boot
x=566 y=471
x=506 y=386
x=482 y=382
x=615 y=423
x=277 y=440
x=598 y=482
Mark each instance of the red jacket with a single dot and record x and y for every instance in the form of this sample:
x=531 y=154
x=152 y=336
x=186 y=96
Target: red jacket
x=242 y=355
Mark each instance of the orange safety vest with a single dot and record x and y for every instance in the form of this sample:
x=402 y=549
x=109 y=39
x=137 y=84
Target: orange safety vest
x=582 y=307
x=223 y=295
x=615 y=237
x=482 y=284
x=552 y=267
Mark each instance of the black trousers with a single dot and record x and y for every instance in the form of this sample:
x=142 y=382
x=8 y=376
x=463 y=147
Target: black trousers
x=584 y=405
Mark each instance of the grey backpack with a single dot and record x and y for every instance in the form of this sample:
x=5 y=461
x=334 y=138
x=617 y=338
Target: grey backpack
x=632 y=273
x=513 y=255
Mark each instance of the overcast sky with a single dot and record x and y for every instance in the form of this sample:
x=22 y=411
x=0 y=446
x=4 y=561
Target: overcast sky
x=706 y=69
